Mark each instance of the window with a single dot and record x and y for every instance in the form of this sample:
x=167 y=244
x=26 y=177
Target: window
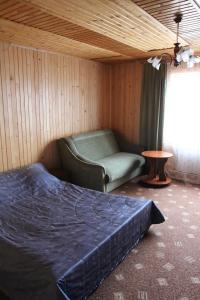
x=182 y=123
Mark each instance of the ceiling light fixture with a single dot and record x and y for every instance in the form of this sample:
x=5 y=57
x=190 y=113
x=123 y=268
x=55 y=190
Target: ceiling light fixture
x=181 y=54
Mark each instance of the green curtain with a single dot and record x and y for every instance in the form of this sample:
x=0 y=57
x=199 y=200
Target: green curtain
x=152 y=107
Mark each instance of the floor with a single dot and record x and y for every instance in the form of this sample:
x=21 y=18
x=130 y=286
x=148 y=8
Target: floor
x=166 y=264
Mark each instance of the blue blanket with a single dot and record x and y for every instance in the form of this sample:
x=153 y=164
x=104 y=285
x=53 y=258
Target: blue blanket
x=58 y=240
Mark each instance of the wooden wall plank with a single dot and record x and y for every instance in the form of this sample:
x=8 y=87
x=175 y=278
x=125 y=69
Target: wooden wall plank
x=45 y=96
x=126 y=79
x=3 y=152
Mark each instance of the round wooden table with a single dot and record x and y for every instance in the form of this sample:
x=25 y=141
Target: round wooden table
x=156 y=161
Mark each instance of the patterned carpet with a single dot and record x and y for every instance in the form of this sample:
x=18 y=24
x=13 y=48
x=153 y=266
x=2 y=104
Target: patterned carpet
x=166 y=264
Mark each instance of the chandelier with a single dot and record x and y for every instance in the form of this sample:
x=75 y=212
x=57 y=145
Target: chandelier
x=181 y=54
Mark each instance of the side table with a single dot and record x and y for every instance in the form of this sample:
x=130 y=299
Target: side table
x=157 y=160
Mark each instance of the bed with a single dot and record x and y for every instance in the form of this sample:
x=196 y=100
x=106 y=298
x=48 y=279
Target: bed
x=59 y=240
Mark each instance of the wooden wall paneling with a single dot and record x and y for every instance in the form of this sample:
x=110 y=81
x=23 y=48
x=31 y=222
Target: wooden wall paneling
x=15 y=107
x=54 y=109
x=36 y=96
x=24 y=94
x=94 y=107
x=47 y=101
x=23 y=102
x=33 y=107
x=137 y=89
x=118 y=97
x=51 y=123
x=7 y=107
x=3 y=154
x=20 y=123
x=30 y=102
x=68 y=92
x=52 y=113
x=41 y=99
x=21 y=105
x=65 y=99
x=125 y=94
x=44 y=96
x=106 y=108
x=59 y=97
x=84 y=94
x=75 y=94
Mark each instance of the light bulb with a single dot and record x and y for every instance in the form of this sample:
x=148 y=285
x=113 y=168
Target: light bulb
x=156 y=61
x=186 y=54
x=157 y=66
x=190 y=64
x=197 y=59
x=150 y=60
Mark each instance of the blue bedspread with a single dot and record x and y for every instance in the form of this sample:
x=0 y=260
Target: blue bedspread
x=58 y=240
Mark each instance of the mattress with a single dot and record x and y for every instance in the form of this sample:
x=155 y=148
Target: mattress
x=59 y=240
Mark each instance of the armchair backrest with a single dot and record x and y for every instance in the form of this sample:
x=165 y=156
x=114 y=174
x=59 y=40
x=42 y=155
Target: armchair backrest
x=93 y=145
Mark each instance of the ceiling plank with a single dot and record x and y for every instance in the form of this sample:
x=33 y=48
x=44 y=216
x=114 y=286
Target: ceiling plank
x=104 y=30
x=164 y=12
x=122 y=21
x=26 y=36
x=34 y=17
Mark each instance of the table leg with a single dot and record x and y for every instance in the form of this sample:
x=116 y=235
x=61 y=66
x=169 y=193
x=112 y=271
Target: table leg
x=152 y=168
x=161 y=170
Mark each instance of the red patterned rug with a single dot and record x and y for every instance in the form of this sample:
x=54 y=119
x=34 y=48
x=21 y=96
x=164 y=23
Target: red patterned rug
x=166 y=263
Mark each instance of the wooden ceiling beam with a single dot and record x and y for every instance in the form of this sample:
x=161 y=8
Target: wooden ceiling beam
x=113 y=19
x=19 y=34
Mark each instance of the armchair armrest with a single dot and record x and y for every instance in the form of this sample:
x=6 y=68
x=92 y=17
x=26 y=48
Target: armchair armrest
x=82 y=172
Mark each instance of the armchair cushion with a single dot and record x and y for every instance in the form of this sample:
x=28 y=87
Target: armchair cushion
x=94 y=145
x=121 y=164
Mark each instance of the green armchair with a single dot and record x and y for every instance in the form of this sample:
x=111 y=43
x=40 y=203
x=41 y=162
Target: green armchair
x=94 y=160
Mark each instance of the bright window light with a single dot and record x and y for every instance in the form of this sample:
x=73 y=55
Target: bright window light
x=182 y=121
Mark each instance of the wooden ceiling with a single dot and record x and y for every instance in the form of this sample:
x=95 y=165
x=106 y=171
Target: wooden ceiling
x=163 y=11
x=104 y=30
